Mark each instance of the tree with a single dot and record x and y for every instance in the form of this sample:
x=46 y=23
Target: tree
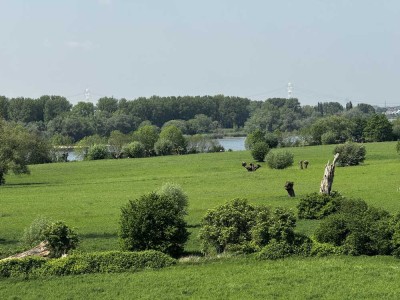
x=83 y=109
x=153 y=221
x=117 y=140
x=55 y=106
x=378 y=129
x=14 y=149
x=259 y=150
x=350 y=154
x=107 y=104
x=60 y=239
x=148 y=136
x=174 y=135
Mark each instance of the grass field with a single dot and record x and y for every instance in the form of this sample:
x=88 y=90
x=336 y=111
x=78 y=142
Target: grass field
x=88 y=197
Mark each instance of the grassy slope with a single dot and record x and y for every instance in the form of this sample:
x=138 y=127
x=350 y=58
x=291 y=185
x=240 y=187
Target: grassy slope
x=88 y=195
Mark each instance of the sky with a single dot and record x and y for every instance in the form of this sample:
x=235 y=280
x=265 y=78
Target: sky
x=338 y=50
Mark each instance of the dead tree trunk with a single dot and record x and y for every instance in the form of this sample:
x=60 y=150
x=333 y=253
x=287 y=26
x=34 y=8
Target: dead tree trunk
x=327 y=180
x=289 y=188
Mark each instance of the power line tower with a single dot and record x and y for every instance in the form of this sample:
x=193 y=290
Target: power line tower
x=87 y=95
x=289 y=90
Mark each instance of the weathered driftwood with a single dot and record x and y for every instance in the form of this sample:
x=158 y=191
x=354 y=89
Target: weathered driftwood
x=289 y=188
x=327 y=180
x=40 y=250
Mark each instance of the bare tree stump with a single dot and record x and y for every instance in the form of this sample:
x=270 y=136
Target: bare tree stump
x=306 y=164
x=289 y=188
x=301 y=164
x=327 y=180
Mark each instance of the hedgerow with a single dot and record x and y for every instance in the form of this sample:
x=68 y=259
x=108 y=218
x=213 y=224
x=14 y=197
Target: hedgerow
x=95 y=262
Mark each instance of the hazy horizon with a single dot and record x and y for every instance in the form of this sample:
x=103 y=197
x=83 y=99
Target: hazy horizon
x=329 y=50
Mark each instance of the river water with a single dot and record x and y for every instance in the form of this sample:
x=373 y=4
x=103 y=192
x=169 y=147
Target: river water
x=234 y=144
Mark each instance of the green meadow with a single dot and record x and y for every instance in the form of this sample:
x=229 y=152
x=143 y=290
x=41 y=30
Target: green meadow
x=88 y=196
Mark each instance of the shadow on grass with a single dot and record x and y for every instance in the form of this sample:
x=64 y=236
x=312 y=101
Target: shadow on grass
x=95 y=235
x=8 y=242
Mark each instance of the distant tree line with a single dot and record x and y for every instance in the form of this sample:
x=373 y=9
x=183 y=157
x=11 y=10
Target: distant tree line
x=282 y=120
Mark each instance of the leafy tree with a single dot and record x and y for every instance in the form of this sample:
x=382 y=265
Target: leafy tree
x=117 y=140
x=35 y=232
x=60 y=239
x=338 y=126
x=254 y=137
x=3 y=108
x=378 y=129
x=350 y=154
x=181 y=124
x=14 y=149
x=134 y=149
x=259 y=151
x=163 y=146
x=97 y=152
x=148 y=136
x=200 y=124
x=55 y=106
x=366 y=108
x=107 y=104
x=175 y=136
x=154 y=221
x=83 y=109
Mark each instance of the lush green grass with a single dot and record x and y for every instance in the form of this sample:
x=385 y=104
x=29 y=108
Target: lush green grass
x=237 y=278
x=88 y=196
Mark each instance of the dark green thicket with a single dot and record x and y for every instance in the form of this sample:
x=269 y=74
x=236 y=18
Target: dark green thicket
x=240 y=227
x=259 y=151
x=154 y=221
x=318 y=206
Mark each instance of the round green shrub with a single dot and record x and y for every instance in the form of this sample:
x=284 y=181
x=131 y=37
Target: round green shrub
x=279 y=160
x=163 y=147
x=60 y=239
x=240 y=227
x=350 y=154
x=97 y=152
x=154 y=222
x=259 y=151
x=318 y=206
x=175 y=193
x=275 y=250
x=134 y=150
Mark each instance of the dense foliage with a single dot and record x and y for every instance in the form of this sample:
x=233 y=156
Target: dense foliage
x=259 y=151
x=239 y=226
x=350 y=154
x=60 y=239
x=279 y=160
x=95 y=262
x=155 y=221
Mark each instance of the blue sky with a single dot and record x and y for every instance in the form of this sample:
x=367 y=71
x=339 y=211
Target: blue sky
x=329 y=50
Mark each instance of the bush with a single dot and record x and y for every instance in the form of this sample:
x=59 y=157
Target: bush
x=350 y=154
x=176 y=194
x=134 y=150
x=325 y=249
x=163 y=147
x=259 y=150
x=97 y=152
x=34 y=234
x=275 y=250
x=20 y=267
x=318 y=206
x=329 y=137
x=280 y=160
x=60 y=239
x=153 y=222
x=105 y=262
x=238 y=226
x=366 y=232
